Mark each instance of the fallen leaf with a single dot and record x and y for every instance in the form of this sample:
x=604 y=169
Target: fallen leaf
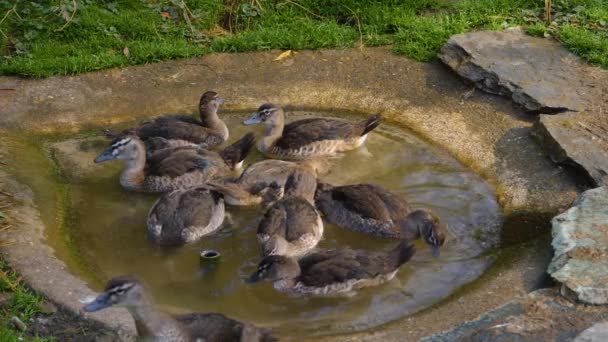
x=284 y=55
x=2 y=215
x=125 y=51
x=165 y=15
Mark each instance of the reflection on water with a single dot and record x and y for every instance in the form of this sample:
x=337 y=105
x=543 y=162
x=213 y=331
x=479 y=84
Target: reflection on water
x=110 y=232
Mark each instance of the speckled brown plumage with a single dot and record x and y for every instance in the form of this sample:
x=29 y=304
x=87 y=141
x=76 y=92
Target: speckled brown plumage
x=184 y=216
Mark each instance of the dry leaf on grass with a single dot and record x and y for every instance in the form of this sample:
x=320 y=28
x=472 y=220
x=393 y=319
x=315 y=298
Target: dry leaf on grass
x=284 y=55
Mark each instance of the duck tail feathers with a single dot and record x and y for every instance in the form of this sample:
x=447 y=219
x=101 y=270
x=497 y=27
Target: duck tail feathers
x=402 y=253
x=371 y=123
x=238 y=151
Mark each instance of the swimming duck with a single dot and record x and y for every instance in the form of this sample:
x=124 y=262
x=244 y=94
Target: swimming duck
x=308 y=138
x=182 y=130
x=185 y=215
x=373 y=210
x=253 y=183
x=292 y=226
x=173 y=168
x=153 y=325
x=334 y=271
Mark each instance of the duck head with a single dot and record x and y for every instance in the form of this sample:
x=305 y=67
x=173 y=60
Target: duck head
x=275 y=268
x=124 y=291
x=429 y=227
x=125 y=148
x=268 y=114
x=270 y=194
x=209 y=103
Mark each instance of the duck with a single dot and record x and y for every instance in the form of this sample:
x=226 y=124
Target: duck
x=173 y=168
x=374 y=210
x=185 y=215
x=251 y=188
x=334 y=271
x=183 y=130
x=154 y=325
x=308 y=138
x=291 y=226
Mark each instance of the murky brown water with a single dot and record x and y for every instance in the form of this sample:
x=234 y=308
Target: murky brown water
x=108 y=232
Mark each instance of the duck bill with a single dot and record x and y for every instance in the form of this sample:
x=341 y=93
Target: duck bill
x=101 y=302
x=105 y=156
x=435 y=251
x=253 y=119
x=220 y=100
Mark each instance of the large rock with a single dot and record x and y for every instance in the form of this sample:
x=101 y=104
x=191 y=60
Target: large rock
x=580 y=240
x=597 y=333
x=577 y=139
x=537 y=73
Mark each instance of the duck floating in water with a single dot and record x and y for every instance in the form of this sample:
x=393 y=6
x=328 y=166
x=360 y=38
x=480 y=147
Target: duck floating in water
x=308 y=138
x=182 y=130
x=252 y=186
x=373 y=210
x=153 y=325
x=185 y=215
x=292 y=226
x=333 y=271
x=173 y=168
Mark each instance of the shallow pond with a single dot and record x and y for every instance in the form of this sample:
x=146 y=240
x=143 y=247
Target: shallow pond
x=107 y=233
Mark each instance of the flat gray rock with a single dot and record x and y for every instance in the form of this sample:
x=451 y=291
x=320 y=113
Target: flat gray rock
x=580 y=241
x=577 y=139
x=597 y=333
x=537 y=73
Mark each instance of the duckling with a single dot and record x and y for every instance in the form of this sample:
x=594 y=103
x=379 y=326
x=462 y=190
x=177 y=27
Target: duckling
x=236 y=195
x=253 y=183
x=153 y=325
x=185 y=215
x=308 y=138
x=173 y=168
x=373 y=210
x=182 y=130
x=292 y=226
x=334 y=271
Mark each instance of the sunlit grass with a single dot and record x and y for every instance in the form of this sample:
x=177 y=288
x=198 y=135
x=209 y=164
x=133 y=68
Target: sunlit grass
x=105 y=34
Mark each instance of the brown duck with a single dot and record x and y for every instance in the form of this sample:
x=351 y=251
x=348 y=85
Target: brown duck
x=185 y=215
x=182 y=130
x=153 y=325
x=173 y=168
x=292 y=226
x=251 y=186
x=308 y=138
x=331 y=272
x=373 y=210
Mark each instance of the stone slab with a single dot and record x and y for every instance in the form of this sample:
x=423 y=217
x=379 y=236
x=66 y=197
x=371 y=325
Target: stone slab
x=539 y=74
x=597 y=333
x=579 y=140
x=580 y=240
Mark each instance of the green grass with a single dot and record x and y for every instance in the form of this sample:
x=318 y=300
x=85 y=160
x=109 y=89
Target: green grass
x=23 y=304
x=46 y=37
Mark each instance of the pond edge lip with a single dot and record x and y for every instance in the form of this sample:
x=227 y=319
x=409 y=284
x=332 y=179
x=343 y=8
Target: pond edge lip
x=46 y=274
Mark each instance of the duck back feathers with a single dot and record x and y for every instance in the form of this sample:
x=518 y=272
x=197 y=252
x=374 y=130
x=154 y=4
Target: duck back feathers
x=214 y=327
x=185 y=215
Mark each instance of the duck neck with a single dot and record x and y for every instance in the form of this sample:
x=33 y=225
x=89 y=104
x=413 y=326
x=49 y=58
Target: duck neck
x=132 y=175
x=154 y=324
x=211 y=120
x=273 y=132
